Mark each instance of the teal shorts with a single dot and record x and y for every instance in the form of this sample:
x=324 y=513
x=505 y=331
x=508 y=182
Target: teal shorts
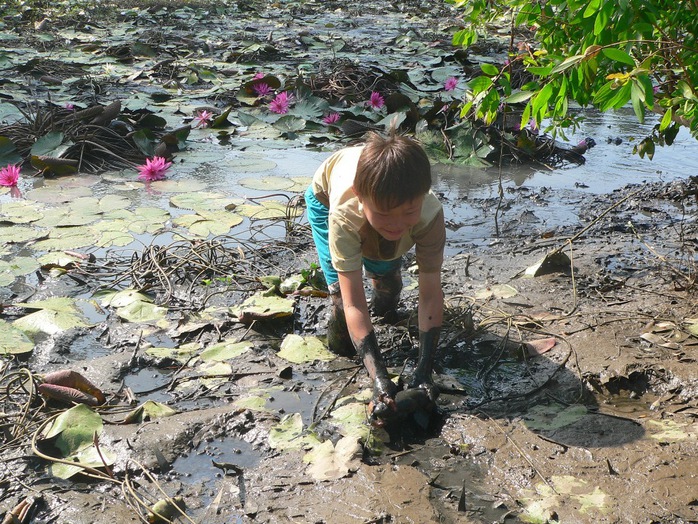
x=318 y=217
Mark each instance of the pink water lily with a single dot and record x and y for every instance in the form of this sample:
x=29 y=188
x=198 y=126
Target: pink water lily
x=281 y=103
x=261 y=89
x=451 y=83
x=331 y=118
x=257 y=76
x=154 y=169
x=203 y=118
x=9 y=175
x=376 y=101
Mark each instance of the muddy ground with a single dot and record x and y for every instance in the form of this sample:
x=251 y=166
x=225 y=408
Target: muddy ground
x=599 y=428
x=569 y=396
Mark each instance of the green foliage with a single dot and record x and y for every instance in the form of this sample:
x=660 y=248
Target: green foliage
x=605 y=54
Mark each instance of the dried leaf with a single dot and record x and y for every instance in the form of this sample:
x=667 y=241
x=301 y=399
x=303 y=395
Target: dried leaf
x=540 y=346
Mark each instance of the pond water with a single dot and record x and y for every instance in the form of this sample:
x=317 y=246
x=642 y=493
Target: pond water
x=470 y=195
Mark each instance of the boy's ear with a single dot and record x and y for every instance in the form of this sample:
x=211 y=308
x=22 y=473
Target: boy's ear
x=357 y=196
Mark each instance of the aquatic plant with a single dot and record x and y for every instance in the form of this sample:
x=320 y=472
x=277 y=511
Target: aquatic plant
x=9 y=175
x=154 y=169
x=281 y=103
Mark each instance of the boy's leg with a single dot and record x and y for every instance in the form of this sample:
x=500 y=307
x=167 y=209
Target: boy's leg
x=386 y=280
x=338 y=339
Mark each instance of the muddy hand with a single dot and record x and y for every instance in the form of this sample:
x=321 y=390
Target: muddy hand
x=383 y=407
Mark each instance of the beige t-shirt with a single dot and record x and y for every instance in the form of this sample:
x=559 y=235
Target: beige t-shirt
x=351 y=237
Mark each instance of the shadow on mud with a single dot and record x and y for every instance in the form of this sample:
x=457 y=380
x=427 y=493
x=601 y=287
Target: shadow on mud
x=494 y=377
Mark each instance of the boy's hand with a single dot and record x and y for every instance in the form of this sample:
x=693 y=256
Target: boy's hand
x=382 y=407
x=428 y=341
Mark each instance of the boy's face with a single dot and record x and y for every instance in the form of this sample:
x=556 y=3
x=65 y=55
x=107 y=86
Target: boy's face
x=393 y=223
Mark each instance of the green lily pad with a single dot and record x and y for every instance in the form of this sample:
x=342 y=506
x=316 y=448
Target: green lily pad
x=15 y=267
x=177 y=186
x=113 y=298
x=20 y=234
x=149 y=410
x=250 y=164
x=13 y=341
x=261 y=307
x=288 y=434
x=266 y=183
x=298 y=349
x=73 y=433
x=66 y=239
x=22 y=212
x=181 y=354
x=54 y=315
x=225 y=350
x=58 y=195
x=207 y=223
x=140 y=312
x=269 y=210
x=202 y=200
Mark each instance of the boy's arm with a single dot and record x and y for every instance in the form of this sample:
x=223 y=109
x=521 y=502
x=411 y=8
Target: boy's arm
x=431 y=301
x=431 y=310
x=364 y=338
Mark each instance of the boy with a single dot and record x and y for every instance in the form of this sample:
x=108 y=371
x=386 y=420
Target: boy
x=367 y=206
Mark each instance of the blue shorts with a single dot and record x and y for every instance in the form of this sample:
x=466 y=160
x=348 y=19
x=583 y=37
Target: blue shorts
x=318 y=217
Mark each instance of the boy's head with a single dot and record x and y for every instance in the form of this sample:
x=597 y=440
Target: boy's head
x=391 y=171
x=392 y=177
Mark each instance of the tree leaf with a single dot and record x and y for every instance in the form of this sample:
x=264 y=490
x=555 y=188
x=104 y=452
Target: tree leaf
x=618 y=55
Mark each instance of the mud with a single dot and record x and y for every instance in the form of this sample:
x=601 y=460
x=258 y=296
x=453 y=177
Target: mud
x=598 y=427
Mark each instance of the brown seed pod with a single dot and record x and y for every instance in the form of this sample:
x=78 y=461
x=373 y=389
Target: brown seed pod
x=67 y=394
x=73 y=379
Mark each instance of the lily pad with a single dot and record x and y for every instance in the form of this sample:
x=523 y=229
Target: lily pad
x=269 y=210
x=266 y=183
x=149 y=410
x=298 y=349
x=250 y=164
x=73 y=433
x=15 y=267
x=261 y=307
x=288 y=434
x=20 y=234
x=225 y=350
x=207 y=223
x=181 y=354
x=202 y=200
x=22 y=212
x=177 y=186
x=332 y=462
x=13 y=341
x=54 y=315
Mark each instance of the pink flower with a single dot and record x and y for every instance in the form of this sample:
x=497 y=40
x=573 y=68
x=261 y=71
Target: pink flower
x=261 y=89
x=153 y=169
x=258 y=76
x=331 y=118
x=376 y=101
x=9 y=175
x=69 y=106
x=451 y=83
x=203 y=118
x=280 y=103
